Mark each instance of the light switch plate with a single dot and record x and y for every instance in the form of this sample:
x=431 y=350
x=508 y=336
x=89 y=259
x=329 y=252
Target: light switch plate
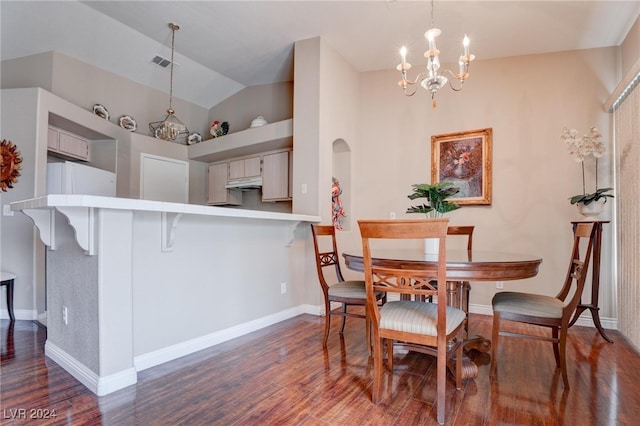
x=6 y=210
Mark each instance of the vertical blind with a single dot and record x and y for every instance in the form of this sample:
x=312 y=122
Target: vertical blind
x=627 y=139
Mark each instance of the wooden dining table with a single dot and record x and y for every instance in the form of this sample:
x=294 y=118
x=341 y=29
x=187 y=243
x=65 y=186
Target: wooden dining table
x=462 y=265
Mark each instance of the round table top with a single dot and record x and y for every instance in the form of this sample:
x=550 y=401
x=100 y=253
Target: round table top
x=477 y=265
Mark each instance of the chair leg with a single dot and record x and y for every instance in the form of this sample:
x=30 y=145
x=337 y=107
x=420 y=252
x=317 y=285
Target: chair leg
x=459 y=354
x=495 y=333
x=10 y=301
x=327 y=321
x=390 y=355
x=367 y=328
x=344 y=317
x=563 y=356
x=441 y=384
x=556 y=353
x=376 y=391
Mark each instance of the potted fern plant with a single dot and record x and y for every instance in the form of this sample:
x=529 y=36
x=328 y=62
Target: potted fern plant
x=436 y=206
x=436 y=195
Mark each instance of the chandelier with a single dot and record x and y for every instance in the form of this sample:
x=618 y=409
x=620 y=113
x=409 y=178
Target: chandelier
x=170 y=128
x=434 y=79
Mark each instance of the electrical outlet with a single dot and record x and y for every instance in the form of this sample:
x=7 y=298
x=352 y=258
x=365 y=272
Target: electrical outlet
x=303 y=188
x=6 y=210
x=499 y=284
x=283 y=288
x=65 y=315
x=392 y=215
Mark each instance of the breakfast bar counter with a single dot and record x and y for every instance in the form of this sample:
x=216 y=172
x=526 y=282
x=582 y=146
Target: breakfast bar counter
x=136 y=283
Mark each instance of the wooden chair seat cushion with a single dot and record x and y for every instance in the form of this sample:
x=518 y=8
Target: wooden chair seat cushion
x=348 y=290
x=536 y=305
x=417 y=317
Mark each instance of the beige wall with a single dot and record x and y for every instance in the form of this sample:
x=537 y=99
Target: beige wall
x=630 y=48
x=526 y=101
x=274 y=102
x=85 y=85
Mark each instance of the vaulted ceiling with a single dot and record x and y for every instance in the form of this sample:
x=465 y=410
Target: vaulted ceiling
x=224 y=46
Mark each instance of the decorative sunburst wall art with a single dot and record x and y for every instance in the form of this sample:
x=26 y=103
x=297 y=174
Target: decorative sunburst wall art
x=10 y=167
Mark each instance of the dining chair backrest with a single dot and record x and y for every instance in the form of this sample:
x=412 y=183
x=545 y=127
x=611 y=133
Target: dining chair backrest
x=577 y=273
x=326 y=258
x=463 y=230
x=409 y=283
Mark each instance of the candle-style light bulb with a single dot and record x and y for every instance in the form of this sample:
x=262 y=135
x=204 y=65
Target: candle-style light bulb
x=431 y=39
x=403 y=54
x=465 y=43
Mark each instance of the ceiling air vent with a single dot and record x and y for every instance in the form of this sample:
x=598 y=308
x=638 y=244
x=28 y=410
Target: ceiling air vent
x=161 y=62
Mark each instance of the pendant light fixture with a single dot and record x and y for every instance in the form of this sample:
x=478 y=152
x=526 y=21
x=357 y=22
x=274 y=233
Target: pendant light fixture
x=170 y=128
x=434 y=79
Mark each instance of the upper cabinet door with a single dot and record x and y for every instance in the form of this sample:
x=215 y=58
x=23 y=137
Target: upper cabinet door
x=244 y=168
x=275 y=177
x=218 y=193
x=252 y=166
x=67 y=144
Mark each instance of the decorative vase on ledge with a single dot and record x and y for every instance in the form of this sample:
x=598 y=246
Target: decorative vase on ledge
x=593 y=209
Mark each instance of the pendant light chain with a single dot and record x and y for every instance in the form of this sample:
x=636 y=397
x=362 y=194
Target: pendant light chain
x=174 y=28
x=170 y=128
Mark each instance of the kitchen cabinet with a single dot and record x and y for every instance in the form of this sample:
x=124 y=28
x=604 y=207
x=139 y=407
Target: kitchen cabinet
x=218 y=194
x=276 y=176
x=67 y=144
x=245 y=168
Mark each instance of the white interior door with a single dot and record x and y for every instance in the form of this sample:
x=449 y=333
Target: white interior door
x=164 y=179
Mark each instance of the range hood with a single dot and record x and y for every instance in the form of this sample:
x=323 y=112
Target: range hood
x=245 y=183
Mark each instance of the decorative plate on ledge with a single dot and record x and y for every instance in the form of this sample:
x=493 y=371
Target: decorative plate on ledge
x=194 y=138
x=127 y=122
x=101 y=111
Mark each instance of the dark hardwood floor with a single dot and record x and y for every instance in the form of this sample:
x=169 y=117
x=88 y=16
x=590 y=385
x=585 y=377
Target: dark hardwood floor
x=281 y=375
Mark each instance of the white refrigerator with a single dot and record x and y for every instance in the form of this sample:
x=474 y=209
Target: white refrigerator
x=75 y=178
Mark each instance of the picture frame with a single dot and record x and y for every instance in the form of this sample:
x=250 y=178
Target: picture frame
x=464 y=158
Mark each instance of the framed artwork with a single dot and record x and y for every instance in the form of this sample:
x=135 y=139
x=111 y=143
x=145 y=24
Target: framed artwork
x=464 y=158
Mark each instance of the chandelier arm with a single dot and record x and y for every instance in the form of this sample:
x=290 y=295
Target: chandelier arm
x=406 y=82
x=457 y=78
x=418 y=78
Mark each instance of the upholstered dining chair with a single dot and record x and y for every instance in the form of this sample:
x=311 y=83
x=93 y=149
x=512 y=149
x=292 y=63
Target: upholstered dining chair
x=337 y=289
x=431 y=328
x=546 y=311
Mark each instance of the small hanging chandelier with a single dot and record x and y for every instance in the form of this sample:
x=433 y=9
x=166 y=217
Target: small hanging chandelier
x=170 y=128
x=433 y=79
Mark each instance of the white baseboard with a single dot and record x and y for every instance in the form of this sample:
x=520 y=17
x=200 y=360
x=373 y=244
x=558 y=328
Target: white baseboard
x=100 y=385
x=20 y=314
x=42 y=318
x=151 y=359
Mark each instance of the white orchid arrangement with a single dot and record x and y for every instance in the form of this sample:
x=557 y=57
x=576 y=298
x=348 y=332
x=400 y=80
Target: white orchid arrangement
x=581 y=147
